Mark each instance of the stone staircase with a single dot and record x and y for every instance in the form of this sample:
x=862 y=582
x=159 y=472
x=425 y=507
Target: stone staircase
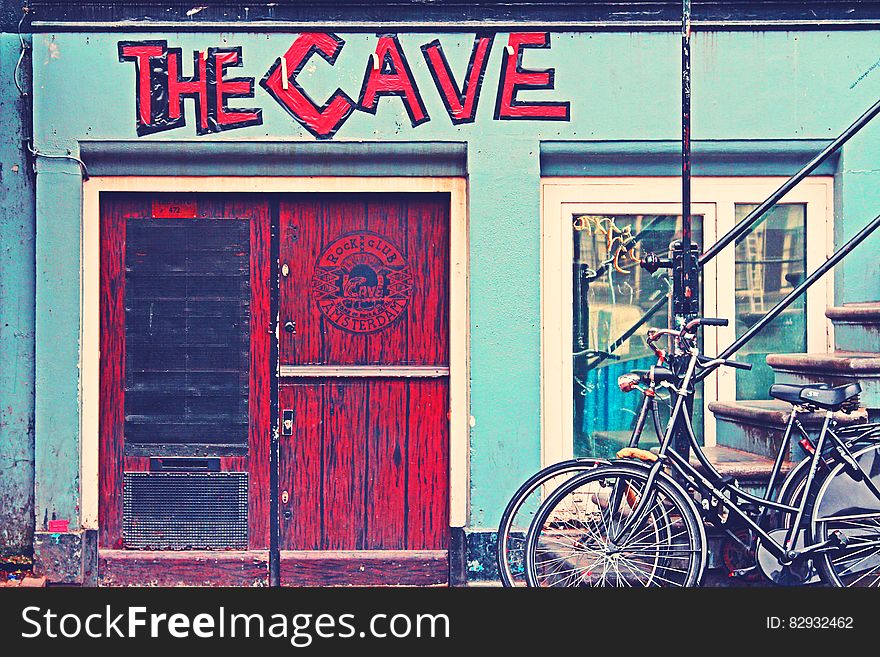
x=756 y=427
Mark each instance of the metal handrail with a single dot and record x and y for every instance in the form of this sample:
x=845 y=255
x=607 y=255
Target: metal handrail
x=774 y=312
x=750 y=219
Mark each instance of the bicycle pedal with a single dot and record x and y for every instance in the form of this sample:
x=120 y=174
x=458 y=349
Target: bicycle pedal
x=743 y=572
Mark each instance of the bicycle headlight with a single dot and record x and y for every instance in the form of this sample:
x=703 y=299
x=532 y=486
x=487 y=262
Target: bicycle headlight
x=627 y=382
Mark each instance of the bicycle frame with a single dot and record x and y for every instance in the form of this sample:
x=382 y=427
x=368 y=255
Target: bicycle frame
x=722 y=489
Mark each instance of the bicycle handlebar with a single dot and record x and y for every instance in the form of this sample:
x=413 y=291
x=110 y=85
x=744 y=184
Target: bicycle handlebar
x=654 y=333
x=706 y=321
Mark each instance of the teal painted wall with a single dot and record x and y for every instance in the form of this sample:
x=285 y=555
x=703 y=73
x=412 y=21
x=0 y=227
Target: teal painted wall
x=16 y=314
x=779 y=85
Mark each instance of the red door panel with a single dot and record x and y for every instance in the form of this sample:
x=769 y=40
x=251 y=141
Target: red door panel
x=366 y=466
x=364 y=472
x=363 y=475
x=173 y=384
x=428 y=446
x=388 y=463
x=300 y=467
x=367 y=279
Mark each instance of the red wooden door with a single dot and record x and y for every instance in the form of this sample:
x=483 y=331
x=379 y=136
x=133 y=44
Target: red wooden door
x=364 y=388
x=185 y=392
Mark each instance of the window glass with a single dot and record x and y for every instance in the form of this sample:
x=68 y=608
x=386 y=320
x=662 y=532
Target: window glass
x=612 y=294
x=771 y=259
x=187 y=296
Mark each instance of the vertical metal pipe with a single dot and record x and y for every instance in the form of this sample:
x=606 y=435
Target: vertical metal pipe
x=683 y=269
x=687 y=286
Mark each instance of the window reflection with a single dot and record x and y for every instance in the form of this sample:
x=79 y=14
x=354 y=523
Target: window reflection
x=771 y=260
x=611 y=294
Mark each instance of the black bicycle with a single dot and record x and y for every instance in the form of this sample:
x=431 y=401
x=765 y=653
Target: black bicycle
x=641 y=520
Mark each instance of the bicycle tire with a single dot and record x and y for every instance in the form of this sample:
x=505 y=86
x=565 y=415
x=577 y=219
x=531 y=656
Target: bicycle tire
x=793 y=485
x=846 y=505
x=510 y=544
x=574 y=520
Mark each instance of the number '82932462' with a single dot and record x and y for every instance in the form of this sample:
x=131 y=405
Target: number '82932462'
x=810 y=623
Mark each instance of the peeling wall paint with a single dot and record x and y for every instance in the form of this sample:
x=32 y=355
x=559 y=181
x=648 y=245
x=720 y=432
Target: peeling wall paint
x=16 y=316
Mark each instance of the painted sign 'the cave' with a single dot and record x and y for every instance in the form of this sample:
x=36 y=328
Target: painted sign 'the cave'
x=161 y=87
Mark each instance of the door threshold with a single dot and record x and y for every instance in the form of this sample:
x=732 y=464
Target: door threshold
x=364 y=567
x=183 y=567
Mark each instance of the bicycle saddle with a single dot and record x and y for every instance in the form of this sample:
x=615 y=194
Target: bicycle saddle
x=820 y=395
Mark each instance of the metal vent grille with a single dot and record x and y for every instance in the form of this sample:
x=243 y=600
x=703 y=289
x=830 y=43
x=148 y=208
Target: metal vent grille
x=182 y=511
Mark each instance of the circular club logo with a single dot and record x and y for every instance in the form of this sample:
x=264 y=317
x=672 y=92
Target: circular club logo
x=362 y=282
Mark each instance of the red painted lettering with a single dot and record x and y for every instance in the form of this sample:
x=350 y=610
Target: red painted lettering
x=224 y=118
x=195 y=87
x=391 y=76
x=142 y=53
x=514 y=79
x=460 y=105
x=323 y=121
x=161 y=88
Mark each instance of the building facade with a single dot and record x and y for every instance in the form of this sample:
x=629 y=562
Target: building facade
x=301 y=295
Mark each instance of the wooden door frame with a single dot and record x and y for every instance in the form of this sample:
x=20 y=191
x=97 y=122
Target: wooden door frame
x=89 y=363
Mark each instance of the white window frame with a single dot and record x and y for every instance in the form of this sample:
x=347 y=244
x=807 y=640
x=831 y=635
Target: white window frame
x=714 y=198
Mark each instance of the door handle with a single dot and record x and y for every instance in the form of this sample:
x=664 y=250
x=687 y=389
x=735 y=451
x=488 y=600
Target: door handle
x=290 y=327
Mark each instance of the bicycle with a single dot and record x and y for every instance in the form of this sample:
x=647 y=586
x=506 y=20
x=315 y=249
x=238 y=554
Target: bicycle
x=523 y=504
x=629 y=522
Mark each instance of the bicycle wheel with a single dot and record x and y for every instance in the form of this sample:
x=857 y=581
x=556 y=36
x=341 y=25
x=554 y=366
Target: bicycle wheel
x=521 y=510
x=569 y=542
x=845 y=504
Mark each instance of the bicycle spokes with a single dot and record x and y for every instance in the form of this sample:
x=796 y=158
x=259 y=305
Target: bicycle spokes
x=572 y=542
x=848 y=509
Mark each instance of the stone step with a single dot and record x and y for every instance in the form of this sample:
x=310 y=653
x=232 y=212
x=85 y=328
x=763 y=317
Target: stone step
x=757 y=426
x=856 y=326
x=836 y=368
x=751 y=470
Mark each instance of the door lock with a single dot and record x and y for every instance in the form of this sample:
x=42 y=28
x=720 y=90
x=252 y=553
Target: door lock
x=287 y=422
x=290 y=327
x=285 y=270
x=285 y=497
